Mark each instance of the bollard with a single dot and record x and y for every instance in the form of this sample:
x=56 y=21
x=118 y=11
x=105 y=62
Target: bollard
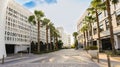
x=98 y=57
x=108 y=58
x=3 y=60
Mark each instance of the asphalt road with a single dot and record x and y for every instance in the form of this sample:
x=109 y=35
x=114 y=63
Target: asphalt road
x=61 y=58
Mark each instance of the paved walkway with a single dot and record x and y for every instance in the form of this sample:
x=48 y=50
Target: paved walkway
x=115 y=61
x=62 y=58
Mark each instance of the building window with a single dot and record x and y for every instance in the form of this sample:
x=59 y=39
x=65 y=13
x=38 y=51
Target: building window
x=101 y=28
x=7 y=38
x=9 y=23
x=5 y=32
x=95 y=30
x=8 y=33
x=107 y=24
x=118 y=19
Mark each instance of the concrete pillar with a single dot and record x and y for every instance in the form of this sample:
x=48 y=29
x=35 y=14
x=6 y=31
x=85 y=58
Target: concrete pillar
x=117 y=41
x=3 y=5
x=100 y=45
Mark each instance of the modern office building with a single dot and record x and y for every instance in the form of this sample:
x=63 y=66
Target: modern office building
x=104 y=28
x=66 y=38
x=19 y=33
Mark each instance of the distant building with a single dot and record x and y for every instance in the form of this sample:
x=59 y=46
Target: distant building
x=66 y=38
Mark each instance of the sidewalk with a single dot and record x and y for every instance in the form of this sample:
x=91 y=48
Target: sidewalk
x=115 y=61
x=15 y=57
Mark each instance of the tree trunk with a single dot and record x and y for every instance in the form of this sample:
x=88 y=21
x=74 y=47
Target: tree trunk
x=98 y=29
x=54 y=42
x=38 y=36
x=110 y=25
x=84 y=40
x=91 y=34
x=47 y=37
x=87 y=38
x=50 y=40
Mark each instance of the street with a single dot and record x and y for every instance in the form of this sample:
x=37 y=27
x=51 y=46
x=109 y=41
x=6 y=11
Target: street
x=61 y=58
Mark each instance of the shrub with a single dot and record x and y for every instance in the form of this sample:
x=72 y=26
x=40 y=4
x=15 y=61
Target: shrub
x=73 y=46
x=118 y=52
x=93 y=47
x=86 y=48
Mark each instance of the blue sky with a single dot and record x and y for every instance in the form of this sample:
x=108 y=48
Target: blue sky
x=63 y=13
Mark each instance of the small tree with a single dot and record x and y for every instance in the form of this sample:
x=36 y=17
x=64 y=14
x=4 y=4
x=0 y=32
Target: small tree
x=60 y=44
x=75 y=34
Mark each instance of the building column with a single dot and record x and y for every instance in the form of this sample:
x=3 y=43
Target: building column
x=3 y=5
x=100 y=45
x=116 y=38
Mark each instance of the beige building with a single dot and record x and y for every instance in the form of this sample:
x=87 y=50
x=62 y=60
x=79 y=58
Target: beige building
x=104 y=27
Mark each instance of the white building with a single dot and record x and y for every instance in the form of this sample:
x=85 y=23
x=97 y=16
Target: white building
x=104 y=27
x=66 y=38
x=19 y=33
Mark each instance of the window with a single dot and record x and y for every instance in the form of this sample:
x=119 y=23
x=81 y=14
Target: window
x=107 y=24
x=8 y=23
x=5 y=32
x=7 y=38
x=101 y=28
x=95 y=30
x=118 y=19
x=8 y=33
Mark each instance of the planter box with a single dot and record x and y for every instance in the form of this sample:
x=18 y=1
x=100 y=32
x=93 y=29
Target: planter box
x=93 y=53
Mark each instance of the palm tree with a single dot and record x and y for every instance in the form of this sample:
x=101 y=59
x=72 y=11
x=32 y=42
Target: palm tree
x=32 y=21
x=36 y=18
x=51 y=27
x=46 y=22
x=110 y=22
x=90 y=19
x=97 y=6
x=75 y=34
x=83 y=30
x=56 y=36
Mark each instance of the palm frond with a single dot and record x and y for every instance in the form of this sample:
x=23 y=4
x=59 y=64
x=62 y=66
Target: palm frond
x=45 y=21
x=31 y=19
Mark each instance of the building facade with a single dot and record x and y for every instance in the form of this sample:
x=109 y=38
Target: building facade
x=66 y=38
x=104 y=28
x=19 y=33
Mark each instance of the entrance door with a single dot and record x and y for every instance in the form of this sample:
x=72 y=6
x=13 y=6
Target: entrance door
x=106 y=44
x=10 y=49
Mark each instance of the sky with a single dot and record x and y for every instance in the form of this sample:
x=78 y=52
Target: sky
x=65 y=13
